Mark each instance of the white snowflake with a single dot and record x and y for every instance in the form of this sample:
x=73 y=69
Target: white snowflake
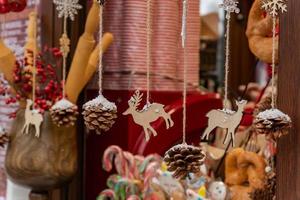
x=274 y=6
x=230 y=6
x=67 y=8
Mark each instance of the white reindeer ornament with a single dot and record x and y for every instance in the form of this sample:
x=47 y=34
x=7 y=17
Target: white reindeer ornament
x=32 y=117
x=150 y=113
x=226 y=119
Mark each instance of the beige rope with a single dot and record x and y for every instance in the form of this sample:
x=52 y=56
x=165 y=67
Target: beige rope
x=34 y=57
x=65 y=55
x=100 y=49
x=183 y=35
x=227 y=58
x=149 y=40
x=273 y=103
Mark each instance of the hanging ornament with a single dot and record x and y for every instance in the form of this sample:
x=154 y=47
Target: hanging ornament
x=64 y=112
x=4 y=139
x=17 y=5
x=33 y=117
x=4 y=6
x=151 y=111
x=100 y=114
x=184 y=159
x=273 y=122
x=226 y=118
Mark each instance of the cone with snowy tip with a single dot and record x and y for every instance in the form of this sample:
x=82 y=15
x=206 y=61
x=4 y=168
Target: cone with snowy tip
x=99 y=114
x=64 y=113
x=273 y=123
x=183 y=159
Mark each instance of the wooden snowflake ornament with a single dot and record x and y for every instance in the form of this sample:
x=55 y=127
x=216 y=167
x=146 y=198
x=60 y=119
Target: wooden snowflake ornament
x=273 y=7
x=226 y=119
x=230 y=6
x=67 y=8
x=150 y=113
x=32 y=117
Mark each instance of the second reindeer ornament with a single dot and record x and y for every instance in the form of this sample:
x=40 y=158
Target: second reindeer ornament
x=226 y=118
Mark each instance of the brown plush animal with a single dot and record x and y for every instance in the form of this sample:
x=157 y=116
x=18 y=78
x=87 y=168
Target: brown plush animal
x=244 y=172
x=259 y=31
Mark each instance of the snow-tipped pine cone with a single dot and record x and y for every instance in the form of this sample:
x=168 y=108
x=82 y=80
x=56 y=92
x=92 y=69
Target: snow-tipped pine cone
x=273 y=123
x=183 y=159
x=64 y=113
x=99 y=114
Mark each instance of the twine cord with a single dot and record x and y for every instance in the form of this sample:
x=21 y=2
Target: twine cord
x=65 y=55
x=34 y=58
x=149 y=40
x=183 y=35
x=227 y=57
x=273 y=62
x=100 y=48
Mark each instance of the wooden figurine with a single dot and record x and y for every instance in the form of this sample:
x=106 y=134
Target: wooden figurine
x=32 y=117
x=150 y=113
x=226 y=119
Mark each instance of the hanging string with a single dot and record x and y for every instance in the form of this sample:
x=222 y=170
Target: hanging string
x=227 y=57
x=100 y=47
x=273 y=63
x=34 y=56
x=65 y=55
x=149 y=40
x=183 y=38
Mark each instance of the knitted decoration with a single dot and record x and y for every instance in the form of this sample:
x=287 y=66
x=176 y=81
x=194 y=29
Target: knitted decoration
x=183 y=159
x=268 y=193
x=99 y=114
x=273 y=123
x=64 y=113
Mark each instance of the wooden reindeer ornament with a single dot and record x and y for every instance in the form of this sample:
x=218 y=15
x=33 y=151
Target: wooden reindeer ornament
x=150 y=113
x=32 y=117
x=225 y=119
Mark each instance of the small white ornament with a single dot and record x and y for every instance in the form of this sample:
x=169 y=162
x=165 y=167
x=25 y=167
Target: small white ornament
x=32 y=117
x=67 y=8
x=217 y=190
x=226 y=119
x=191 y=195
x=150 y=113
x=230 y=6
x=273 y=7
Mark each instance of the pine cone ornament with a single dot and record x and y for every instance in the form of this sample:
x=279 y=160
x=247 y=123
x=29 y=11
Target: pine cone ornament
x=64 y=113
x=268 y=193
x=99 y=114
x=4 y=139
x=273 y=123
x=183 y=159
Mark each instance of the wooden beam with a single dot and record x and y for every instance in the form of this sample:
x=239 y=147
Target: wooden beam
x=289 y=101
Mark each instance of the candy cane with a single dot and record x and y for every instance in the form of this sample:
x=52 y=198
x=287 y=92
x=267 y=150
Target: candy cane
x=149 y=159
x=114 y=153
x=133 y=172
x=133 y=197
x=107 y=194
x=150 y=172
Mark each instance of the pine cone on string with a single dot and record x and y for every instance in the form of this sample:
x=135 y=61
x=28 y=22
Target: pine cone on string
x=4 y=139
x=268 y=193
x=64 y=113
x=99 y=114
x=273 y=123
x=183 y=159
